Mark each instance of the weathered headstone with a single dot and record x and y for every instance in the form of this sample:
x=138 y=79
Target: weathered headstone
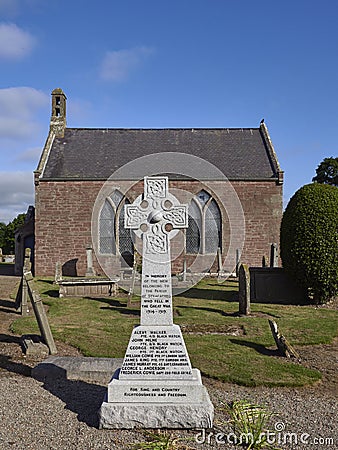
x=274 y=255
x=24 y=292
x=90 y=272
x=27 y=265
x=184 y=275
x=156 y=386
x=244 y=289
x=219 y=261
x=238 y=260
x=58 y=272
x=40 y=313
x=284 y=347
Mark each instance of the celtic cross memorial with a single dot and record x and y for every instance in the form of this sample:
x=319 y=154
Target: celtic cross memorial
x=156 y=217
x=156 y=386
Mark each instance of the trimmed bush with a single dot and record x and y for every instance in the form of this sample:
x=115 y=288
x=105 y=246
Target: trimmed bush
x=309 y=240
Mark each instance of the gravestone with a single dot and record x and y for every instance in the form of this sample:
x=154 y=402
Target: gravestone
x=58 y=272
x=24 y=294
x=238 y=260
x=274 y=255
x=244 y=289
x=156 y=386
x=90 y=272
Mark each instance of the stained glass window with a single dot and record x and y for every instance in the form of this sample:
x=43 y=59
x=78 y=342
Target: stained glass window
x=126 y=247
x=212 y=229
x=204 y=232
x=111 y=228
x=193 y=233
x=106 y=227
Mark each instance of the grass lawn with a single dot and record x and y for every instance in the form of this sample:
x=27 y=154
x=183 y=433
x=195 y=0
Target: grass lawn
x=220 y=343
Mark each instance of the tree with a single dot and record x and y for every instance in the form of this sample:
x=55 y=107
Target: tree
x=2 y=234
x=309 y=240
x=327 y=172
x=9 y=234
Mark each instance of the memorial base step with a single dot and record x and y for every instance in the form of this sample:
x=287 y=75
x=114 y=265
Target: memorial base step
x=157 y=404
x=156 y=415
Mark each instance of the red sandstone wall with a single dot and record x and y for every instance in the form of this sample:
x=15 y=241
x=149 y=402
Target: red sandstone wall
x=64 y=211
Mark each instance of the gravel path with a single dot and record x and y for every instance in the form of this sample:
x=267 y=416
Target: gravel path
x=62 y=415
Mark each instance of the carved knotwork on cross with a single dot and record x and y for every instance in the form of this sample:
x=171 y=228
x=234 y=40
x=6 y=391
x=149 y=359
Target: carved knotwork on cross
x=158 y=213
x=156 y=216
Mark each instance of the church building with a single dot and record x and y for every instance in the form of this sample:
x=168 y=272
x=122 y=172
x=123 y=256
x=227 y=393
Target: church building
x=76 y=163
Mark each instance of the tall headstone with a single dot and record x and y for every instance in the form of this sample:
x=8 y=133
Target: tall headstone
x=24 y=293
x=156 y=386
x=90 y=272
x=58 y=272
x=238 y=260
x=244 y=289
x=274 y=255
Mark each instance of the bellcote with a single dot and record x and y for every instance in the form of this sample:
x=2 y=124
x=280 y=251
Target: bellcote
x=58 y=117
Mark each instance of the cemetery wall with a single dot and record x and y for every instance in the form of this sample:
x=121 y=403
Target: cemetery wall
x=64 y=212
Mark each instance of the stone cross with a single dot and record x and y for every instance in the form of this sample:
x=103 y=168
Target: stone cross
x=156 y=217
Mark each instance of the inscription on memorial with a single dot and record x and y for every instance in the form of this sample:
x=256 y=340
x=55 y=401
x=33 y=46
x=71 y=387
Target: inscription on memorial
x=156 y=294
x=158 y=352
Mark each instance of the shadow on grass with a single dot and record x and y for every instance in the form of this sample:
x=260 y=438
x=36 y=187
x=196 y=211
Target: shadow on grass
x=258 y=347
x=51 y=293
x=116 y=305
x=125 y=311
x=213 y=310
x=110 y=301
x=47 y=281
x=211 y=294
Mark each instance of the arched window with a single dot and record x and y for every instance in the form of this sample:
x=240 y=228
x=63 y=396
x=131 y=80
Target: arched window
x=193 y=235
x=113 y=234
x=126 y=247
x=106 y=227
x=212 y=229
x=204 y=232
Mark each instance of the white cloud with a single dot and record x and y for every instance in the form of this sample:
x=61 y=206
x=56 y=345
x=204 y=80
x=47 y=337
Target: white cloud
x=117 y=64
x=16 y=194
x=15 y=43
x=18 y=107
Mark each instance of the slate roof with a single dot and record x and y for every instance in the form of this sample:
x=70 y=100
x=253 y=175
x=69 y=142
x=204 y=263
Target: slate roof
x=94 y=154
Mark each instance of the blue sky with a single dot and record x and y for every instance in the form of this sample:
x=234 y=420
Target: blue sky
x=161 y=63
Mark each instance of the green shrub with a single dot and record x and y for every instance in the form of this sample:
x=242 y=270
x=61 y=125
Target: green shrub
x=309 y=240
